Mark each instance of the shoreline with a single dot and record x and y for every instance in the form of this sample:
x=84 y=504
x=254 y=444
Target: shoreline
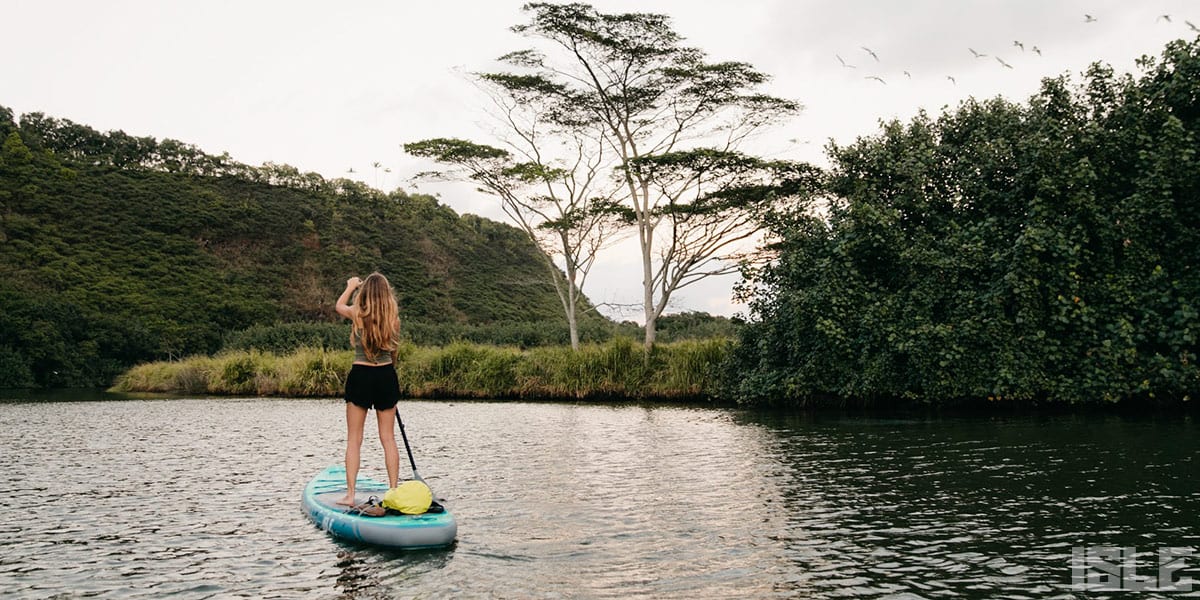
x=619 y=370
x=843 y=409
x=686 y=373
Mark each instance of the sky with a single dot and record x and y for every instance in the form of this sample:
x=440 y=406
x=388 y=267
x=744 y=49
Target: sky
x=333 y=86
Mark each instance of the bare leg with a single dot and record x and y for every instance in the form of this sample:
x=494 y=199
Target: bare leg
x=387 y=437
x=356 y=417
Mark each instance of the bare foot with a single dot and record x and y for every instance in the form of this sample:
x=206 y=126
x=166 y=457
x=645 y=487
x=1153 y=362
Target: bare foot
x=347 y=501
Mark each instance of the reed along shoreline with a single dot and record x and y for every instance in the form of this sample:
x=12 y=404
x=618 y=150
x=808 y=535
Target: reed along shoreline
x=618 y=369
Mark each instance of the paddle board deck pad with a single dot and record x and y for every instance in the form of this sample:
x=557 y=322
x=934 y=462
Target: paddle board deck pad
x=429 y=530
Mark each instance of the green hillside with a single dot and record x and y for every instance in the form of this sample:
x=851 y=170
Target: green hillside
x=116 y=249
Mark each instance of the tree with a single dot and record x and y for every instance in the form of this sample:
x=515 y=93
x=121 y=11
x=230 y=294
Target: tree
x=628 y=82
x=551 y=179
x=15 y=170
x=711 y=201
x=1044 y=251
x=552 y=201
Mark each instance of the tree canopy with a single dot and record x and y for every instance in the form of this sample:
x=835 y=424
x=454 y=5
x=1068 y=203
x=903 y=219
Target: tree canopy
x=1046 y=251
x=672 y=124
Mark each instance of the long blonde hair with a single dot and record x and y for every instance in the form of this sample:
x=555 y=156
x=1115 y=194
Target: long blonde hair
x=376 y=321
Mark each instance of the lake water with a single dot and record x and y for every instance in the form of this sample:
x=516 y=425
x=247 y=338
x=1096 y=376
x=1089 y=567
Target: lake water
x=197 y=498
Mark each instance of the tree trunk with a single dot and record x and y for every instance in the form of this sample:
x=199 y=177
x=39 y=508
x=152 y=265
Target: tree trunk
x=646 y=233
x=648 y=287
x=651 y=332
x=572 y=317
x=573 y=324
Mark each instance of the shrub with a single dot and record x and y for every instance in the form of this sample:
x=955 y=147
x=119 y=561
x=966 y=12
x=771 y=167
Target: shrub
x=616 y=369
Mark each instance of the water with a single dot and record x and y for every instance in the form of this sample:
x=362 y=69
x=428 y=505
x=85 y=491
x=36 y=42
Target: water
x=199 y=498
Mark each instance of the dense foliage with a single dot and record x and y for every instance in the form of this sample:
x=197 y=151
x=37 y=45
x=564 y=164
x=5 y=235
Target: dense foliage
x=282 y=338
x=116 y=249
x=1047 y=252
x=617 y=369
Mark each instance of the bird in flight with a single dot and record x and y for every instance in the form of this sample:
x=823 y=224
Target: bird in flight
x=844 y=63
x=1166 y=18
x=879 y=79
x=868 y=50
x=908 y=75
x=1038 y=50
x=1019 y=45
x=350 y=170
x=1192 y=27
x=977 y=54
x=1089 y=19
x=1001 y=60
x=952 y=80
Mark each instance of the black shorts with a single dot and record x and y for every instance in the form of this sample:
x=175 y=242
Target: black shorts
x=373 y=387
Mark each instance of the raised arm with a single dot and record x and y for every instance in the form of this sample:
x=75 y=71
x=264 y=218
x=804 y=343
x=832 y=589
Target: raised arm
x=343 y=302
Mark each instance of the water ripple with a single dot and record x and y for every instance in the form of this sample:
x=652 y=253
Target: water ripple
x=199 y=499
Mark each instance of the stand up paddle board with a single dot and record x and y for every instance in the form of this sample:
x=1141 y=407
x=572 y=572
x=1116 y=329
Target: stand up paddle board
x=428 y=530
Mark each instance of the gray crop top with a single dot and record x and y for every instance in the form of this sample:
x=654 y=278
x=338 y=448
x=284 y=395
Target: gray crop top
x=382 y=357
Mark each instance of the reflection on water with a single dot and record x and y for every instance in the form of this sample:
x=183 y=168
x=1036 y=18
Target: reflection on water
x=200 y=498
x=988 y=507
x=365 y=572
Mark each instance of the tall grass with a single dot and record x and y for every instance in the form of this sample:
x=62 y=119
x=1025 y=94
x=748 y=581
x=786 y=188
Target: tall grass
x=305 y=372
x=618 y=369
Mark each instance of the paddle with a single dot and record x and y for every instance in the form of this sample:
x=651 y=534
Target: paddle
x=412 y=462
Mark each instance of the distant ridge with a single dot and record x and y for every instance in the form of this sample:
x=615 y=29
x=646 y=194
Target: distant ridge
x=116 y=249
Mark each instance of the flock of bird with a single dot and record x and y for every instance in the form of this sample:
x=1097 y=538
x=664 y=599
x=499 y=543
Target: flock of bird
x=977 y=54
x=1016 y=44
x=377 y=166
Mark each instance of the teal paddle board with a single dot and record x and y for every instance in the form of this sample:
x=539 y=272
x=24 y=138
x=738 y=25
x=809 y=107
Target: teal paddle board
x=428 y=530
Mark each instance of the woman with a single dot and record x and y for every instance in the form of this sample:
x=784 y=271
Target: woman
x=372 y=382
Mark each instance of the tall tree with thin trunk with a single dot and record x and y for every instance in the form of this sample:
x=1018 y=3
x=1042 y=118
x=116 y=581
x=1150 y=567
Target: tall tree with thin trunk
x=672 y=124
x=551 y=176
x=558 y=203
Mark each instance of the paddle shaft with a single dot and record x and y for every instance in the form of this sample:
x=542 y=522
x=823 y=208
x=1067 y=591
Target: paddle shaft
x=404 y=436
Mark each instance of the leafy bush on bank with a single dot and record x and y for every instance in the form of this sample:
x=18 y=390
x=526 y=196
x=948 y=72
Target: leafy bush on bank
x=618 y=369
x=1045 y=252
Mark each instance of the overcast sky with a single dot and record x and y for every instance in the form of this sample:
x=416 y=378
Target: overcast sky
x=329 y=86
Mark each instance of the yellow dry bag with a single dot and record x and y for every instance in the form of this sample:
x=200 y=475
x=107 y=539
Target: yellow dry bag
x=410 y=498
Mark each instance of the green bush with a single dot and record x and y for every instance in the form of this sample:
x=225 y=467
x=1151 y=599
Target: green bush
x=616 y=369
x=282 y=338
x=1045 y=252
x=288 y=337
x=15 y=371
x=521 y=334
x=312 y=372
x=241 y=372
x=689 y=365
